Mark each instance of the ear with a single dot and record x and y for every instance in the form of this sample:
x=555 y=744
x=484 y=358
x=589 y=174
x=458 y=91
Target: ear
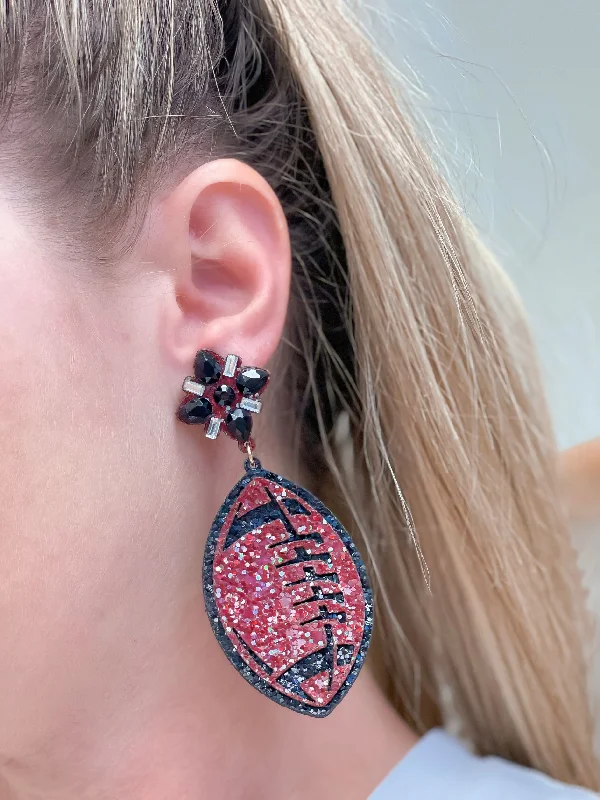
x=224 y=240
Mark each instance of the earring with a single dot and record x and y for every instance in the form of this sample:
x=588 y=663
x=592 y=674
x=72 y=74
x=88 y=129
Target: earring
x=285 y=588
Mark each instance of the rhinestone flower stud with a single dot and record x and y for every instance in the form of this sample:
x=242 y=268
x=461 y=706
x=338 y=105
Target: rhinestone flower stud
x=222 y=395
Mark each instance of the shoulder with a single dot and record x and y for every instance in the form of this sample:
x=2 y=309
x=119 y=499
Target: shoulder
x=440 y=768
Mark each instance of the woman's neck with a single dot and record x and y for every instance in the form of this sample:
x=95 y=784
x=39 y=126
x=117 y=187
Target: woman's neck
x=185 y=726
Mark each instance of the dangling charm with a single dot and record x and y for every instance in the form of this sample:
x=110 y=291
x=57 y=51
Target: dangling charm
x=286 y=591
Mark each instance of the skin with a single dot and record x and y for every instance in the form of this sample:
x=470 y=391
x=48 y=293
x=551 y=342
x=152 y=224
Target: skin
x=581 y=475
x=111 y=683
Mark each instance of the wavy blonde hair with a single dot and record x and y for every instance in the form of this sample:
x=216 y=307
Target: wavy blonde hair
x=404 y=341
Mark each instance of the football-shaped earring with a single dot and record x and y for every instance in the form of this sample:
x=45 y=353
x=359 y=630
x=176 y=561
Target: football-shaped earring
x=285 y=588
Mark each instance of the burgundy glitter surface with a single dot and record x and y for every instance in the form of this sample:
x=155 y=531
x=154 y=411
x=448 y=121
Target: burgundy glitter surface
x=288 y=593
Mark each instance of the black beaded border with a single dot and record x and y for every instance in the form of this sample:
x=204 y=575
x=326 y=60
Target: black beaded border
x=211 y=607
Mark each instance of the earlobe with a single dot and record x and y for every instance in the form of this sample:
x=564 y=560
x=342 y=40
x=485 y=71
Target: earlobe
x=225 y=241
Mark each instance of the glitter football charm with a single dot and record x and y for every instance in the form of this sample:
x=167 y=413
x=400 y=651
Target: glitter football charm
x=285 y=588
x=287 y=593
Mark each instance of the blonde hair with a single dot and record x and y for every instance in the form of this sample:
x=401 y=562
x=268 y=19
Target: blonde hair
x=404 y=339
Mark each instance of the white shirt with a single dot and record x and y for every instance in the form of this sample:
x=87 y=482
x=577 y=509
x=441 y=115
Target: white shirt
x=438 y=767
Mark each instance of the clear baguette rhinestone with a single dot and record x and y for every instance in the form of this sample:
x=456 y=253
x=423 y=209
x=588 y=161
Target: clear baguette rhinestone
x=230 y=365
x=213 y=428
x=251 y=405
x=193 y=387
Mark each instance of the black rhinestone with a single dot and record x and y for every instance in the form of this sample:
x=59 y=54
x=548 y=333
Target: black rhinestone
x=251 y=380
x=239 y=424
x=224 y=395
x=206 y=367
x=195 y=411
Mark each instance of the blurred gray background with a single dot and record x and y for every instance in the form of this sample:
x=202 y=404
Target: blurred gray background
x=513 y=97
